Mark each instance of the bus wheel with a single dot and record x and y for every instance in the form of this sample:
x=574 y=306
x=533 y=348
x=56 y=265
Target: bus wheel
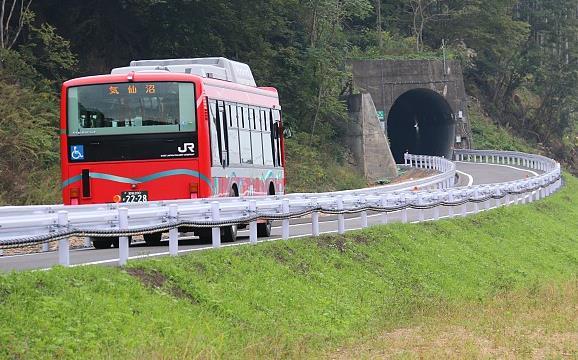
x=101 y=242
x=264 y=229
x=153 y=239
x=229 y=233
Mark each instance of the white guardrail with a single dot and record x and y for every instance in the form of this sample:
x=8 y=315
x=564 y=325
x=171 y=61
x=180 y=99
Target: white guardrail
x=32 y=225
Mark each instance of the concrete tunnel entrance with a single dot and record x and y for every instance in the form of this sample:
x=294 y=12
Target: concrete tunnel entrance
x=422 y=122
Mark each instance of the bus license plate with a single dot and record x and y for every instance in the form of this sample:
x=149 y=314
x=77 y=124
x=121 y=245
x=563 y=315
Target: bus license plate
x=134 y=196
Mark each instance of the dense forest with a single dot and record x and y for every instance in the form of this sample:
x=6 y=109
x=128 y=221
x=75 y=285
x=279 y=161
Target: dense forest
x=520 y=61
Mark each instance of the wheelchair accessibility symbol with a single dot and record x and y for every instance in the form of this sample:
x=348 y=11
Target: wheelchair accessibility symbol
x=77 y=152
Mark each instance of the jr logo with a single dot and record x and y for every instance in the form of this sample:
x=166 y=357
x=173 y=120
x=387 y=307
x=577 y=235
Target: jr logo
x=187 y=147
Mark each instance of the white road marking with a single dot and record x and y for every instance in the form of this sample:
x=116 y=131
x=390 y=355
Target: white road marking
x=502 y=165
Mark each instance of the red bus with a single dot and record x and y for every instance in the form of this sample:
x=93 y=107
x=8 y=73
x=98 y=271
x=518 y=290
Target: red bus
x=167 y=130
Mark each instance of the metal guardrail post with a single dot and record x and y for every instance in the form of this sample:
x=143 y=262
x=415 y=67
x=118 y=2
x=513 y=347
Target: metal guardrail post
x=253 y=224
x=315 y=221
x=216 y=231
x=465 y=208
x=476 y=196
x=286 y=210
x=363 y=200
x=63 y=244
x=123 y=240
x=45 y=247
x=173 y=233
x=340 y=217
x=450 y=200
x=404 y=211
x=384 y=202
x=436 y=210
x=421 y=211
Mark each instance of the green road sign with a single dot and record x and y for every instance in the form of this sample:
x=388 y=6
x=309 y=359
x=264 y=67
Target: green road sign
x=381 y=115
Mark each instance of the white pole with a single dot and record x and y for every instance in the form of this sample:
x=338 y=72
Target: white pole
x=173 y=233
x=285 y=221
x=450 y=200
x=421 y=211
x=253 y=224
x=384 y=203
x=315 y=223
x=363 y=201
x=340 y=217
x=216 y=231
x=404 y=211
x=123 y=240
x=63 y=244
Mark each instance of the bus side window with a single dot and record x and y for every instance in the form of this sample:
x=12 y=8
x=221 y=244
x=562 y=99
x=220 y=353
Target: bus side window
x=276 y=135
x=245 y=135
x=233 y=134
x=256 y=139
x=266 y=138
x=222 y=131
x=215 y=138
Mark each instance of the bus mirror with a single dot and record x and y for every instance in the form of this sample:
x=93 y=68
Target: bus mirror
x=287 y=134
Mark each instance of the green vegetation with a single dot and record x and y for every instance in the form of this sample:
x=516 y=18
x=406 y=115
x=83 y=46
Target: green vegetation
x=291 y=298
x=518 y=58
x=317 y=168
x=539 y=322
x=489 y=135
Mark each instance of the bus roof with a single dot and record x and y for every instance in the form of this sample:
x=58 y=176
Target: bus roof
x=212 y=67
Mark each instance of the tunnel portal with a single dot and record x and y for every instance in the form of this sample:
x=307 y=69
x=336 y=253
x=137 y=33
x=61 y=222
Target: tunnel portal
x=421 y=122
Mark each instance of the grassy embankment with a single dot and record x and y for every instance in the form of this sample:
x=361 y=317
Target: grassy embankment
x=301 y=297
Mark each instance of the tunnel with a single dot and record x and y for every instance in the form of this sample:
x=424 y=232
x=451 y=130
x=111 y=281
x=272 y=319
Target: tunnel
x=421 y=122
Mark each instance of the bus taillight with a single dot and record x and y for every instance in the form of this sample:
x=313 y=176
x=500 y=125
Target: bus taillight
x=74 y=195
x=194 y=190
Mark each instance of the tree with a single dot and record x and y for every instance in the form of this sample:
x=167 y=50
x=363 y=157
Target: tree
x=13 y=16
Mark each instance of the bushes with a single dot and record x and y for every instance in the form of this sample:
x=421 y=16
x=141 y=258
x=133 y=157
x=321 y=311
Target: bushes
x=319 y=166
x=28 y=146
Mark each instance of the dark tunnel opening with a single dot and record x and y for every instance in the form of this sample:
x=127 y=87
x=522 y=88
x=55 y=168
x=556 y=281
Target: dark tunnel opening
x=421 y=122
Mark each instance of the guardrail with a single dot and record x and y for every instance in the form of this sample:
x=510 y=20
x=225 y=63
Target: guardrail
x=35 y=225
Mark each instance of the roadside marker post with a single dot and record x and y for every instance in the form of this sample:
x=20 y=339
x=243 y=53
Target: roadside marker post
x=340 y=217
x=363 y=202
x=63 y=244
x=173 y=233
x=216 y=231
x=123 y=240
x=253 y=224
x=285 y=207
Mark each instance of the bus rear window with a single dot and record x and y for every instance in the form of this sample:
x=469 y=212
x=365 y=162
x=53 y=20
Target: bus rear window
x=131 y=108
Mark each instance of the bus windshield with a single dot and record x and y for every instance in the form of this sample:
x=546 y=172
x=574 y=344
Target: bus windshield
x=131 y=108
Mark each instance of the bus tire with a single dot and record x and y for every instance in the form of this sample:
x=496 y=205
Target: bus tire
x=264 y=229
x=153 y=239
x=101 y=242
x=229 y=233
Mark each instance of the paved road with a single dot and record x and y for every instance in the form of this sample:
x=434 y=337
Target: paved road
x=469 y=174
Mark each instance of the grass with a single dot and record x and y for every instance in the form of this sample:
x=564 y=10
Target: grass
x=539 y=322
x=297 y=298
